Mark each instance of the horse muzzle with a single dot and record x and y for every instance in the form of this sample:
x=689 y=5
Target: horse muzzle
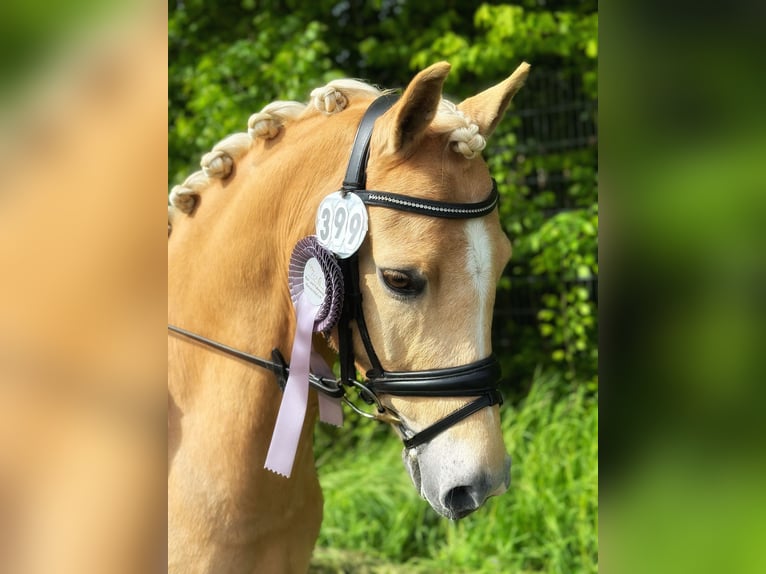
x=453 y=479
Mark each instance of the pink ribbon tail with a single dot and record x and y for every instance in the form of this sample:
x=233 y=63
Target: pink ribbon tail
x=292 y=411
x=330 y=410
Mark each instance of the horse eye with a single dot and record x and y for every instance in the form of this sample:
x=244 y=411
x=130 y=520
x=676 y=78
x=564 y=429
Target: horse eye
x=403 y=282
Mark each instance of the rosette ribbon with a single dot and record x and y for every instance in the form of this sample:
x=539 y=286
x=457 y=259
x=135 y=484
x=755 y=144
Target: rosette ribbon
x=316 y=287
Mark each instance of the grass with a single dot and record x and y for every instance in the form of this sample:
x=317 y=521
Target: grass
x=375 y=522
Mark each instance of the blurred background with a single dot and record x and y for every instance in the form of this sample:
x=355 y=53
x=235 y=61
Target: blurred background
x=683 y=321
x=83 y=124
x=228 y=59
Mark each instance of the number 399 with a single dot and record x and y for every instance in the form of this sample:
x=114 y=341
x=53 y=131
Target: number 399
x=341 y=224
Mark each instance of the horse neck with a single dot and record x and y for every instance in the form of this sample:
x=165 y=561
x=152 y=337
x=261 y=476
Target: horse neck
x=228 y=263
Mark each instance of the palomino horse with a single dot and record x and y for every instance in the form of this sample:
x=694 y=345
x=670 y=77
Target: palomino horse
x=417 y=315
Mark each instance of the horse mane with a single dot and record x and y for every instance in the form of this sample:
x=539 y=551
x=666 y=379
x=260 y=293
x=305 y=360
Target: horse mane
x=332 y=98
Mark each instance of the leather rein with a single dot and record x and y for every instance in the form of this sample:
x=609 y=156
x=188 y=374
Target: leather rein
x=477 y=379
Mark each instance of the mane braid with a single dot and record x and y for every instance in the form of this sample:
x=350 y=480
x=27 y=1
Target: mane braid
x=332 y=98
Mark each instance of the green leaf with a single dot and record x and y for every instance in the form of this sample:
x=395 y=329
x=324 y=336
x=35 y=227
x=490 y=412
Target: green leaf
x=583 y=272
x=591 y=48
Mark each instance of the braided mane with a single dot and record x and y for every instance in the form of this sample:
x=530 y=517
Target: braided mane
x=329 y=99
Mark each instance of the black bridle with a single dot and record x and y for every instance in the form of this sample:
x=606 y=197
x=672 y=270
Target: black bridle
x=478 y=379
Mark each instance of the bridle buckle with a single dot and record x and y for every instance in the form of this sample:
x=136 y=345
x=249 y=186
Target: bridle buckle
x=381 y=413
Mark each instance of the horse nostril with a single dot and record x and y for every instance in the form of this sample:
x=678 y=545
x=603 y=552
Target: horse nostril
x=461 y=501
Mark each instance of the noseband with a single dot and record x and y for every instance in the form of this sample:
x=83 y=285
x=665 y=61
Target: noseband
x=478 y=379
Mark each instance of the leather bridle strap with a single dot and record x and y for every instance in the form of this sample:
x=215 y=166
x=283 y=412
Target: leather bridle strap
x=352 y=311
x=486 y=400
x=466 y=380
x=356 y=172
x=278 y=366
x=440 y=209
x=354 y=181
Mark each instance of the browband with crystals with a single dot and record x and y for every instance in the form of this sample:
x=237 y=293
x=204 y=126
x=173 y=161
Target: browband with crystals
x=431 y=208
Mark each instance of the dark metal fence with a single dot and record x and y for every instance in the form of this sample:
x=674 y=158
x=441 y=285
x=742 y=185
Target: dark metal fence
x=554 y=116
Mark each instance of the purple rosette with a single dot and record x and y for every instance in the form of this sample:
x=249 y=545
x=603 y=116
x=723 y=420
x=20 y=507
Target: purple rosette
x=329 y=310
x=316 y=286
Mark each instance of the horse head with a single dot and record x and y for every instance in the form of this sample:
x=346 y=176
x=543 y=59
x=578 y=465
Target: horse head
x=428 y=283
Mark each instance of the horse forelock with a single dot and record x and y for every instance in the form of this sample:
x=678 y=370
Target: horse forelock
x=332 y=98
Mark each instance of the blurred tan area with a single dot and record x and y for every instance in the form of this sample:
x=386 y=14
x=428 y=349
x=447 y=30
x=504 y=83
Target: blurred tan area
x=83 y=166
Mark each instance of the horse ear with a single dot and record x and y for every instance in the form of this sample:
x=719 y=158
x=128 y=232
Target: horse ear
x=486 y=109
x=416 y=108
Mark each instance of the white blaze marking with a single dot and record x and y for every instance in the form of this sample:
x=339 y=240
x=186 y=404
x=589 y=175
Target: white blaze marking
x=479 y=267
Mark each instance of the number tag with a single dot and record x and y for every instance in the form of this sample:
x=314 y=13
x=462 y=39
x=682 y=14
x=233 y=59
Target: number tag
x=341 y=223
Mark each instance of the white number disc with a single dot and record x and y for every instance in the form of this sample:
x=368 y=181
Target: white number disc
x=341 y=223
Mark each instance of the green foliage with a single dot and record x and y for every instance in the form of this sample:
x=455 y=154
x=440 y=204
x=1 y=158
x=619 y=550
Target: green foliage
x=564 y=247
x=511 y=33
x=547 y=522
x=554 y=234
x=559 y=248
x=218 y=91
